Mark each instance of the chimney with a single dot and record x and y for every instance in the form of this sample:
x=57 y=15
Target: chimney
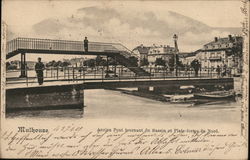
x=230 y=37
x=215 y=39
x=141 y=45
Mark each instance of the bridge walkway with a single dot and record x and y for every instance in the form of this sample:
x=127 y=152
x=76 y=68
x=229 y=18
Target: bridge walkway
x=117 y=51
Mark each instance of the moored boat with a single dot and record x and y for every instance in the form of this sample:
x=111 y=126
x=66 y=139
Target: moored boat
x=187 y=98
x=218 y=95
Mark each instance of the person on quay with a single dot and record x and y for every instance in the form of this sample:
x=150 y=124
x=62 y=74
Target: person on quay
x=196 y=65
x=218 y=70
x=86 y=43
x=224 y=70
x=39 y=67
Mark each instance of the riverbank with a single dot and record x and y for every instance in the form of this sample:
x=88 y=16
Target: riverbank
x=150 y=95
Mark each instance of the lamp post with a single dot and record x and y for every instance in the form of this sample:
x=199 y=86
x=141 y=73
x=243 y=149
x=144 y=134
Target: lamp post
x=175 y=37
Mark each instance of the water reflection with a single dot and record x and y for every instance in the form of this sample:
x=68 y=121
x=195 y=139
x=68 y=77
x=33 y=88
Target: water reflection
x=109 y=104
x=61 y=113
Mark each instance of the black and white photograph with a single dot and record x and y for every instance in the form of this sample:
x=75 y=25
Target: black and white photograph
x=124 y=79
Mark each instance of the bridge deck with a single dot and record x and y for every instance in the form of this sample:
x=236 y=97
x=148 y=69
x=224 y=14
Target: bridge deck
x=120 y=83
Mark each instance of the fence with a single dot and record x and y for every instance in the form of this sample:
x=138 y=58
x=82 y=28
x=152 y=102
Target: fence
x=119 y=73
x=66 y=45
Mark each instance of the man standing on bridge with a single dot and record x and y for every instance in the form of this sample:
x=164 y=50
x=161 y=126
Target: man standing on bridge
x=86 y=44
x=196 y=65
x=39 y=67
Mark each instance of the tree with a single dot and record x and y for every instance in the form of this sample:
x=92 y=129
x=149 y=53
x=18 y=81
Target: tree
x=134 y=61
x=144 y=62
x=65 y=64
x=175 y=61
x=7 y=64
x=51 y=63
x=103 y=63
x=112 y=61
x=89 y=63
x=11 y=65
x=160 y=62
x=57 y=64
x=98 y=60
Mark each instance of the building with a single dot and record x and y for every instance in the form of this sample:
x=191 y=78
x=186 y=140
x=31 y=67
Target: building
x=162 y=52
x=154 y=52
x=222 y=51
x=142 y=52
x=186 y=58
x=76 y=62
x=30 y=64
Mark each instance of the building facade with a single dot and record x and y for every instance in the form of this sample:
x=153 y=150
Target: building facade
x=161 y=52
x=222 y=52
x=141 y=51
x=187 y=58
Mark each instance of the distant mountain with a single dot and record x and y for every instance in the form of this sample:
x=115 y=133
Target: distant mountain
x=233 y=30
x=51 y=26
x=131 y=28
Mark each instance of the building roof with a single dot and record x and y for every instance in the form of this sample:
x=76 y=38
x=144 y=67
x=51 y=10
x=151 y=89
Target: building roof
x=225 y=40
x=142 y=49
x=188 y=54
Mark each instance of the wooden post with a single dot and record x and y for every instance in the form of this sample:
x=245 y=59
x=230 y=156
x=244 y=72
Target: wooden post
x=83 y=74
x=64 y=72
x=73 y=74
x=51 y=72
x=150 y=72
x=23 y=65
x=57 y=73
x=102 y=73
x=68 y=74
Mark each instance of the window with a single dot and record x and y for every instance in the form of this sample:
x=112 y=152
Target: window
x=212 y=54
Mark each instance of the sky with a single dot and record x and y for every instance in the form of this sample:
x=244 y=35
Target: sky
x=129 y=22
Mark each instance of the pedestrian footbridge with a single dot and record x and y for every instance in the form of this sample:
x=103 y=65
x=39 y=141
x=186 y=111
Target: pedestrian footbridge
x=117 y=51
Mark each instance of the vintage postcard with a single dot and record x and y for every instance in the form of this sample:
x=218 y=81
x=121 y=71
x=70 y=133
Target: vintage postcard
x=113 y=79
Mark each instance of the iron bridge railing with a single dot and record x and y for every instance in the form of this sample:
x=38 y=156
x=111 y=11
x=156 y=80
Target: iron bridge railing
x=67 y=45
x=119 y=73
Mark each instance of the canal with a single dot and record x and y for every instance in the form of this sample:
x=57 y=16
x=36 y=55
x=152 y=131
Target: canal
x=114 y=105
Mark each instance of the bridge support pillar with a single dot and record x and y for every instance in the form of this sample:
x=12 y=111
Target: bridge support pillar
x=45 y=98
x=143 y=89
x=23 y=66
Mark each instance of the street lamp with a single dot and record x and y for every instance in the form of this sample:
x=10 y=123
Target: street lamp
x=175 y=37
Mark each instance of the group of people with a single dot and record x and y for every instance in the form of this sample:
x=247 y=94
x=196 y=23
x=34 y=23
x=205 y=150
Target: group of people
x=223 y=71
x=39 y=67
x=195 y=64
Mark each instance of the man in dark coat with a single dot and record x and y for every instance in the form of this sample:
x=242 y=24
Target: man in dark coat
x=196 y=65
x=39 y=67
x=218 y=70
x=86 y=44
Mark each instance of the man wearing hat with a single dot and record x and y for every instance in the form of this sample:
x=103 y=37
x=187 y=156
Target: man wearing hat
x=39 y=67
